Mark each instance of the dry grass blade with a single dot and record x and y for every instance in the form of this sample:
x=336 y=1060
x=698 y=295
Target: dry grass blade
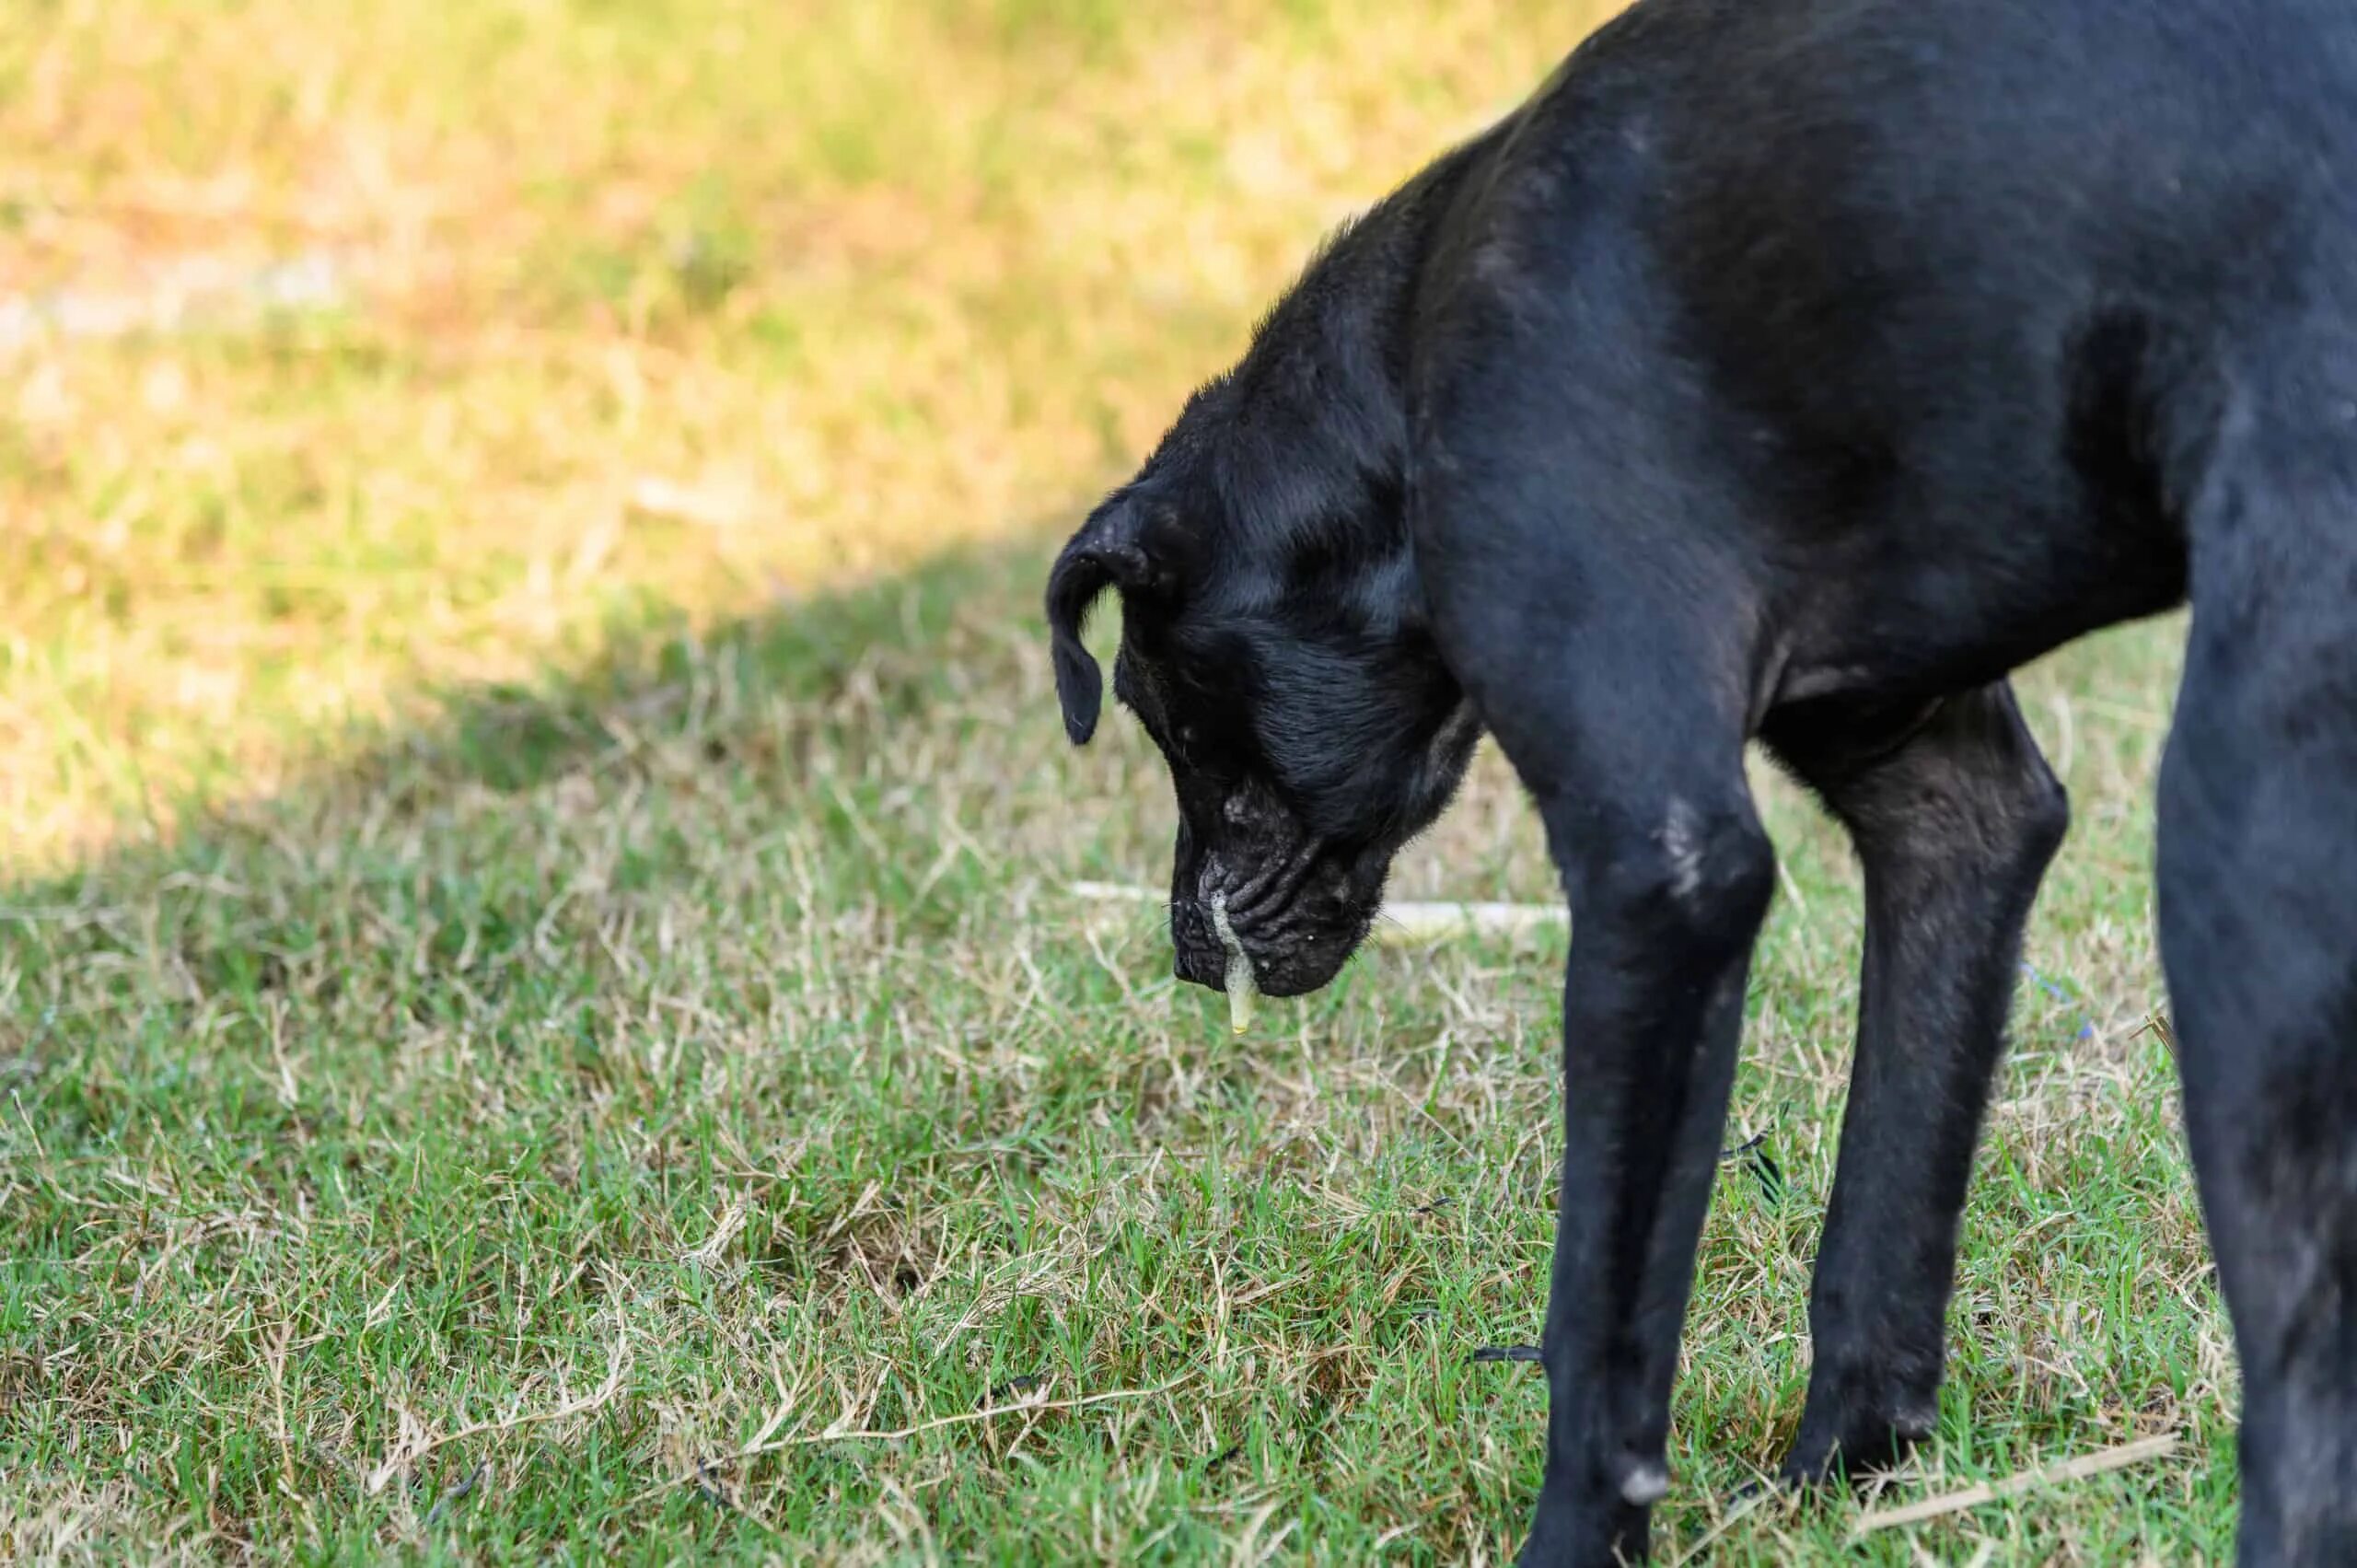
x=1409 y=923
x=966 y=1418
x=2102 y=1462
x=1400 y=924
x=415 y=1443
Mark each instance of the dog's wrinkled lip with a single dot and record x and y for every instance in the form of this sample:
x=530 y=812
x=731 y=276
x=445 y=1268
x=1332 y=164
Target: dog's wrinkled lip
x=1313 y=966
x=1297 y=935
x=1264 y=893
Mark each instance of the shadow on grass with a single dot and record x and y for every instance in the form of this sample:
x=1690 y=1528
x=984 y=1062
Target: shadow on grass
x=896 y=641
x=635 y=918
x=887 y=754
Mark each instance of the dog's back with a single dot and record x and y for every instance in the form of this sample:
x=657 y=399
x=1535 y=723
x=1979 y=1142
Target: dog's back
x=1969 y=286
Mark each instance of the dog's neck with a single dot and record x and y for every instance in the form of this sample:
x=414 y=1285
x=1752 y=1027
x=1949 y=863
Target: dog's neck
x=1304 y=442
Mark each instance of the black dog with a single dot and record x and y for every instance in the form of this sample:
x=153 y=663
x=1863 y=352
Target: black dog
x=1794 y=370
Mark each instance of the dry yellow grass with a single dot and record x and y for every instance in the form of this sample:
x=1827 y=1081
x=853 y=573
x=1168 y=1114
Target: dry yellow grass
x=649 y=309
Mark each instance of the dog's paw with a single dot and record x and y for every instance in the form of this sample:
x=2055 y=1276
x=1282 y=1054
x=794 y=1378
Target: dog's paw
x=1590 y=1533
x=1854 y=1447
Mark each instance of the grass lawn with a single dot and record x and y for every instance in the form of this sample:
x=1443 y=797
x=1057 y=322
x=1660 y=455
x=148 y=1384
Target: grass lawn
x=540 y=1015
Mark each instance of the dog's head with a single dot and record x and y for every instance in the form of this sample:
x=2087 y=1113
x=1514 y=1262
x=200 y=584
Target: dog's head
x=1286 y=676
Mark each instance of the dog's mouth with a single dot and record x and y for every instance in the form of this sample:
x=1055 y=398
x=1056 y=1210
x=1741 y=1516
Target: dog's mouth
x=1296 y=921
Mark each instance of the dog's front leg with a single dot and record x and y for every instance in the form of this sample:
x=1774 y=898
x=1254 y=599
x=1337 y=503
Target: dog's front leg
x=1668 y=878
x=1586 y=560
x=1666 y=904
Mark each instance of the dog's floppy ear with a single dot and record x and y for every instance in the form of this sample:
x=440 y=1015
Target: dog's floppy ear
x=1109 y=551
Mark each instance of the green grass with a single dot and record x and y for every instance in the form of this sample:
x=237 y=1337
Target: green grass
x=528 y=1023
x=717 y=1026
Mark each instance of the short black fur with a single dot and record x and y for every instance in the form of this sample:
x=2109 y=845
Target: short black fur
x=1789 y=372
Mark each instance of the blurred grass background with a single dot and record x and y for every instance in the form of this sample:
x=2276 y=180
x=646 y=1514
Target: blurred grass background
x=537 y=996
x=627 y=308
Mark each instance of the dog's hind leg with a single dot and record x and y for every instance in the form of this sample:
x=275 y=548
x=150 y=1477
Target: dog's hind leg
x=1954 y=816
x=2258 y=885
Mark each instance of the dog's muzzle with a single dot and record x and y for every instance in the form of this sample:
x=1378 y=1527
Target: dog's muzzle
x=1298 y=917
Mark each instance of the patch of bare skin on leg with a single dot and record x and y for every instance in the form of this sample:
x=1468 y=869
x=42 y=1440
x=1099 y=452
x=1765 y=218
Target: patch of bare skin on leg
x=1645 y=1485
x=1242 y=984
x=1677 y=837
